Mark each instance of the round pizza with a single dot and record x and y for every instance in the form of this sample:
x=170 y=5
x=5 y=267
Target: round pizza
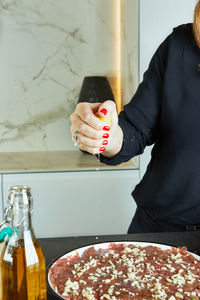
x=127 y=271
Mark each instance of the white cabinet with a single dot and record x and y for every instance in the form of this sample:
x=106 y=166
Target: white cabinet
x=1 y=202
x=79 y=203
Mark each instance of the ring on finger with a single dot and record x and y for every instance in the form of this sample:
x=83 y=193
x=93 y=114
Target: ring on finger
x=75 y=136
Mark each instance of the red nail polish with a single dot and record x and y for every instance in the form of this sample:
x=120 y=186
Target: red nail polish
x=106 y=128
x=102 y=149
x=106 y=135
x=104 y=111
x=105 y=142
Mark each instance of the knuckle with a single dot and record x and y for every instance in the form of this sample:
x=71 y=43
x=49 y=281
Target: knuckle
x=83 y=128
x=78 y=106
x=86 y=117
x=110 y=102
x=112 y=105
x=71 y=117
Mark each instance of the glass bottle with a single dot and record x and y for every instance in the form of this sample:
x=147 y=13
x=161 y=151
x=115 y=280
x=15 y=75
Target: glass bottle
x=22 y=263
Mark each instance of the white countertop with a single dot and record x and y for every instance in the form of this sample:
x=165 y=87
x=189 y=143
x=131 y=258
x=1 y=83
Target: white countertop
x=54 y=161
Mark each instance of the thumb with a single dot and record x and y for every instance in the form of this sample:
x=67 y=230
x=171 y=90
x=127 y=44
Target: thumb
x=108 y=109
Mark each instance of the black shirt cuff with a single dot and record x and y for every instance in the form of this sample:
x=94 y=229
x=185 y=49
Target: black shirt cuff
x=129 y=148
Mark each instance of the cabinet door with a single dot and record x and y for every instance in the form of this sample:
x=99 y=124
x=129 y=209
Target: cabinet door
x=1 y=202
x=79 y=203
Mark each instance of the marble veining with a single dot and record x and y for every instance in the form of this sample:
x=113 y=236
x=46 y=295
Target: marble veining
x=46 y=49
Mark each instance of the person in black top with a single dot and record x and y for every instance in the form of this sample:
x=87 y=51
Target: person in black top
x=165 y=111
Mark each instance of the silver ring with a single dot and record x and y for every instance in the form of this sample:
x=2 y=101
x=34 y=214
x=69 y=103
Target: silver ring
x=75 y=135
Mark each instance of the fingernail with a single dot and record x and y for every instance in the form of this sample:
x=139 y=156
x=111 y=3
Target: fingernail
x=106 y=128
x=105 y=136
x=104 y=111
x=105 y=142
x=102 y=149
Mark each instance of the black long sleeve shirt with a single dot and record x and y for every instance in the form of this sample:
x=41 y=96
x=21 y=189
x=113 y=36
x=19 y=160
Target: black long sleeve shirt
x=165 y=111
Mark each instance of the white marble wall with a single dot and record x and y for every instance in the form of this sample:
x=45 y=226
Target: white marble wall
x=46 y=49
x=130 y=48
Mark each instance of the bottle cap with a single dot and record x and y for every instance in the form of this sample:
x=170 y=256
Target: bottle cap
x=20 y=195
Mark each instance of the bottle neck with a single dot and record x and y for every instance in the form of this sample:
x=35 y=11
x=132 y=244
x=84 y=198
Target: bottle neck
x=21 y=220
x=19 y=212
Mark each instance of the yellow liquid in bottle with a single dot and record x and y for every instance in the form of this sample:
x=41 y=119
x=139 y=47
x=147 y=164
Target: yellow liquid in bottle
x=24 y=277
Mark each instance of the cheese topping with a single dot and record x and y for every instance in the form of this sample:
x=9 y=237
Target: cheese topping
x=130 y=271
